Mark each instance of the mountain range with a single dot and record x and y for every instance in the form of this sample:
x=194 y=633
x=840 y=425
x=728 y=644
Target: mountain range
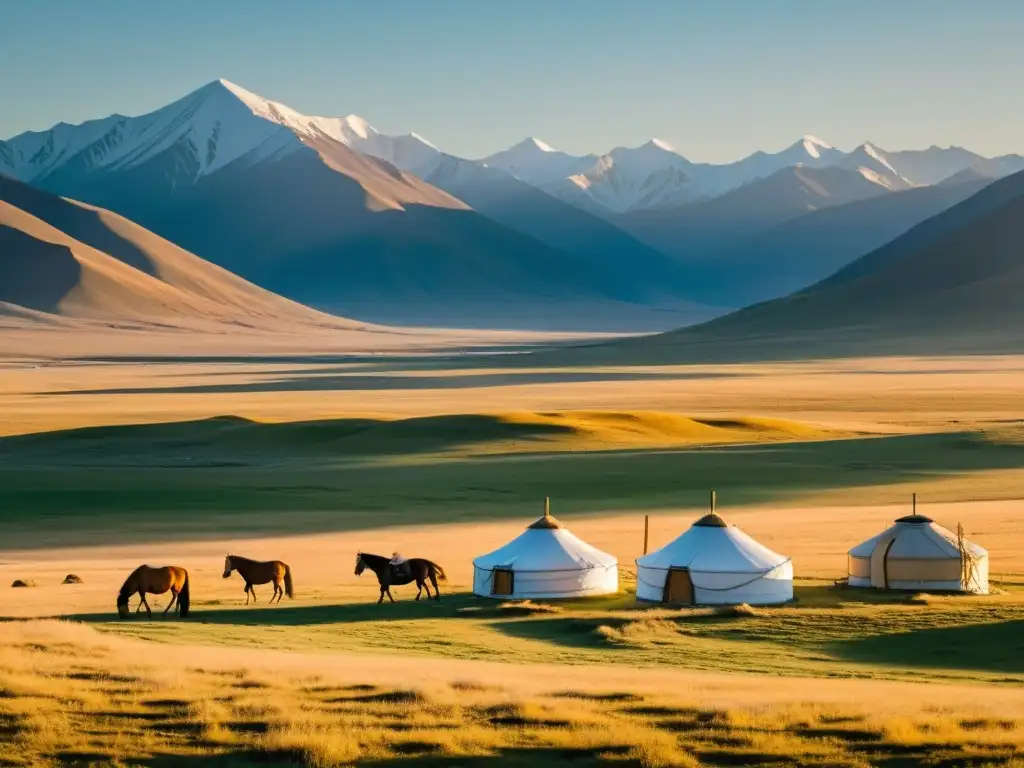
x=300 y=206
x=950 y=285
x=332 y=213
x=656 y=176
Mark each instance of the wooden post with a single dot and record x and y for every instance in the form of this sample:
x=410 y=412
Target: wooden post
x=647 y=528
x=714 y=500
x=547 y=506
x=914 y=503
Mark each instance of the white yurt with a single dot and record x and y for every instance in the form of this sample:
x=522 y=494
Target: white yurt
x=919 y=554
x=714 y=563
x=545 y=561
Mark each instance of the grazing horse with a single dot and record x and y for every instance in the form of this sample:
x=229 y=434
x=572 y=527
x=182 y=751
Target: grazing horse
x=255 y=572
x=155 y=581
x=418 y=570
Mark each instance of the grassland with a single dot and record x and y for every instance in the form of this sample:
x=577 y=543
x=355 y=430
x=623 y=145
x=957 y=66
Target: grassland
x=844 y=634
x=224 y=478
x=73 y=697
x=106 y=464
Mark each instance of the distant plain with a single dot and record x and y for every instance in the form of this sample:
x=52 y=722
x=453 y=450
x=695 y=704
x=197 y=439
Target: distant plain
x=106 y=463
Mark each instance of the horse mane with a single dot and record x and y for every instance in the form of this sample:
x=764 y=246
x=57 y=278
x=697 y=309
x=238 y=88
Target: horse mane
x=240 y=559
x=369 y=557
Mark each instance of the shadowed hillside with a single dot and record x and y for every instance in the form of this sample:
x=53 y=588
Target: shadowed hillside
x=953 y=284
x=64 y=258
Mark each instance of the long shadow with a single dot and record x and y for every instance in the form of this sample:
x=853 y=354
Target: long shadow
x=240 y=758
x=510 y=757
x=513 y=757
x=571 y=632
x=284 y=615
x=994 y=647
x=361 y=382
x=294 y=479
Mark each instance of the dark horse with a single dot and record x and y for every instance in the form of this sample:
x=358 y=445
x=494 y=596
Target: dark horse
x=255 y=572
x=418 y=570
x=155 y=581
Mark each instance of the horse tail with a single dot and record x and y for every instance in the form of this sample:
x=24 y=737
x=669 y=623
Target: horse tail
x=289 y=589
x=438 y=570
x=183 y=597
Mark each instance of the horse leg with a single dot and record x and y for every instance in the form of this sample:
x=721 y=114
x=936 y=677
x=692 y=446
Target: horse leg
x=433 y=580
x=174 y=597
x=149 y=611
x=381 y=599
x=419 y=590
x=390 y=596
x=278 y=590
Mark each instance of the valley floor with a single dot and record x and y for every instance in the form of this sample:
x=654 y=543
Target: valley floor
x=312 y=461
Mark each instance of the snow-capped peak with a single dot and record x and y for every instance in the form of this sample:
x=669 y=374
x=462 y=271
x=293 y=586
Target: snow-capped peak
x=252 y=100
x=814 y=146
x=660 y=144
x=533 y=144
x=815 y=141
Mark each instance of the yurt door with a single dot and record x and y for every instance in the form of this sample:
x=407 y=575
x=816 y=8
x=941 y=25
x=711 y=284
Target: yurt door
x=678 y=587
x=503 y=581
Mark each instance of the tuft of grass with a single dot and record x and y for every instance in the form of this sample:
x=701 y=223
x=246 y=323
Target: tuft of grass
x=527 y=608
x=736 y=610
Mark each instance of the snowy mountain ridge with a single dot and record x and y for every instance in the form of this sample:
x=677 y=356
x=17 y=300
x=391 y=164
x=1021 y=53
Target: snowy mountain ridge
x=214 y=126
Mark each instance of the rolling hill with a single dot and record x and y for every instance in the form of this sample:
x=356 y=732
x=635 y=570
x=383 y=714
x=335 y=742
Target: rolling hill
x=63 y=258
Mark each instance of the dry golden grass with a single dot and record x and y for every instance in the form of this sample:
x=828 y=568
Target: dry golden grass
x=71 y=696
x=897 y=395
x=368 y=694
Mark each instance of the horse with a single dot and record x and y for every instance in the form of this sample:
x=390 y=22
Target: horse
x=155 y=581
x=255 y=572
x=419 y=570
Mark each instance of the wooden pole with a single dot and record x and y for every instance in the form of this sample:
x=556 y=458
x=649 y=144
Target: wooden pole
x=647 y=528
x=914 y=503
x=547 y=506
x=714 y=500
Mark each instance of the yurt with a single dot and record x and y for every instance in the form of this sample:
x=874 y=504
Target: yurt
x=919 y=554
x=545 y=561
x=714 y=563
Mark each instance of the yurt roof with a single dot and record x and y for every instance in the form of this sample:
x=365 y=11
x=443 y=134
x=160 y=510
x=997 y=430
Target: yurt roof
x=545 y=521
x=914 y=519
x=714 y=547
x=712 y=520
x=546 y=545
x=917 y=538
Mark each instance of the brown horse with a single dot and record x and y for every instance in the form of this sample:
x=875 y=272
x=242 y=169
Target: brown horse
x=255 y=572
x=155 y=581
x=419 y=570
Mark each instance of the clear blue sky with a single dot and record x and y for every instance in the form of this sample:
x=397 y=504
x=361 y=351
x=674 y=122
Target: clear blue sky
x=717 y=79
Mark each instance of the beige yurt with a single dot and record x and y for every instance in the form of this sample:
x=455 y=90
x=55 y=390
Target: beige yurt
x=545 y=561
x=916 y=553
x=714 y=563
